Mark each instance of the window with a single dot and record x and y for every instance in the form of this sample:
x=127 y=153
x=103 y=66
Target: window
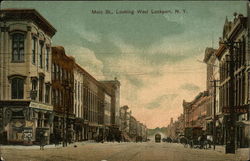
x=47 y=94
x=34 y=50
x=41 y=84
x=52 y=72
x=54 y=97
x=41 y=54
x=47 y=59
x=33 y=93
x=59 y=73
x=34 y=84
x=248 y=87
x=18 y=47
x=17 y=88
x=78 y=90
x=55 y=70
x=75 y=90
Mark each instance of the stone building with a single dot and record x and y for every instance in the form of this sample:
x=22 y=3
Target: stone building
x=114 y=92
x=213 y=77
x=107 y=112
x=132 y=128
x=125 y=115
x=62 y=95
x=25 y=76
x=236 y=32
x=78 y=103
x=144 y=132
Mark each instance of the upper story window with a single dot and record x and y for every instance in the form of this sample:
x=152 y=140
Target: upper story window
x=41 y=54
x=59 y=73
x=47 y=93
x=18 y=47
x=47 y=59
x=17 y=88
x=34 y=50
x=41 y=88
x=52 y=72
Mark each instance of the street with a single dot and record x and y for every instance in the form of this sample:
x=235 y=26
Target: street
x=149 y=151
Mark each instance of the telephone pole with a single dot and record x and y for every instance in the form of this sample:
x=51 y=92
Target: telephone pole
x=214 y=113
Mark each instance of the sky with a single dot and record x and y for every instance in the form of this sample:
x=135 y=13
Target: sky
x=156 y=57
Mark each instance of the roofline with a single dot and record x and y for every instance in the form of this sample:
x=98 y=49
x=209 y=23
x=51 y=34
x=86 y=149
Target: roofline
x=35 y=12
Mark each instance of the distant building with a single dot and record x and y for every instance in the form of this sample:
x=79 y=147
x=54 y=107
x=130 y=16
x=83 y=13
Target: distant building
x=114 y=88
x=213 y=77
x=195 y=111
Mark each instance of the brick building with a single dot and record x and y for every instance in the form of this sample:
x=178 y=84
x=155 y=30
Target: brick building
x=236 y=32
x=62 y=94
x=195 y=111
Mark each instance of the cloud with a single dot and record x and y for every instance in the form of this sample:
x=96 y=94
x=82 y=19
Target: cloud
x=83 y=33
x=159 y=101
x=190 y=87
x=87 y=59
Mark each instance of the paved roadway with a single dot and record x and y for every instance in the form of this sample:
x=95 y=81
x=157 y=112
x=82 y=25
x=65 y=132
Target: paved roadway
x=149 y=151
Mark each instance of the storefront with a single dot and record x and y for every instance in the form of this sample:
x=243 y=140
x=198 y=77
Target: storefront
x=22 y=121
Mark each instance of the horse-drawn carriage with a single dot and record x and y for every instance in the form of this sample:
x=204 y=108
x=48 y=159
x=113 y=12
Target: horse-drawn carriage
x=194 y=137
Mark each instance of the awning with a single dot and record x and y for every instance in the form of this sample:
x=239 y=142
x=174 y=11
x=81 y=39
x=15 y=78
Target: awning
x=247 y=123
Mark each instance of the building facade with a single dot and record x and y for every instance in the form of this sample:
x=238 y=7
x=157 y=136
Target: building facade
x=214 y=120
x=195 y=111
x=62 y=95
x=235 y=96
x=113 y=87
x=25 y=76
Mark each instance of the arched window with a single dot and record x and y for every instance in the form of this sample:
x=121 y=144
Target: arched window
x=18 y=47
x=17 y=88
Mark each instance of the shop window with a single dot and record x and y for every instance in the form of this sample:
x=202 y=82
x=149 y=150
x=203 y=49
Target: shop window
x=17 y=114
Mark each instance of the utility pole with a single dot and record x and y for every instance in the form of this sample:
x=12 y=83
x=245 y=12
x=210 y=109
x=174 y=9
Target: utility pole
x=214 y=113
x=231 y=118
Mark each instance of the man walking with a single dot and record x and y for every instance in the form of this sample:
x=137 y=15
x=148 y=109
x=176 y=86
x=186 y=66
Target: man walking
x=42 y=140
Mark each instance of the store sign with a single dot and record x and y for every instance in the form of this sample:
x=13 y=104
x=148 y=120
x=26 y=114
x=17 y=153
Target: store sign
x=235 y=110
x=27 y=134
x=18 y=124
x=41 y=106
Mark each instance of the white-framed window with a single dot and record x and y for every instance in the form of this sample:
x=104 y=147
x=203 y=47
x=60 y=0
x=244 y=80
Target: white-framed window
x=41 y=44
x=47 y=59
x=34 y=50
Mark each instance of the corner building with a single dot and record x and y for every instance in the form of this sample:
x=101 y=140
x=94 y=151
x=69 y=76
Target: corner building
x=25 y=76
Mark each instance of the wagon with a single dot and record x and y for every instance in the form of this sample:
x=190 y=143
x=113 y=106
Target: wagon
x=193 y=136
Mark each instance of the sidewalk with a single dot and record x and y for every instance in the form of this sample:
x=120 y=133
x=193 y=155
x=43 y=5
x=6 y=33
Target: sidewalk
x=240 y=152
x=46 y=147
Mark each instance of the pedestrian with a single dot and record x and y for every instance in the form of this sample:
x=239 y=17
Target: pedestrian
x=43 y=136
